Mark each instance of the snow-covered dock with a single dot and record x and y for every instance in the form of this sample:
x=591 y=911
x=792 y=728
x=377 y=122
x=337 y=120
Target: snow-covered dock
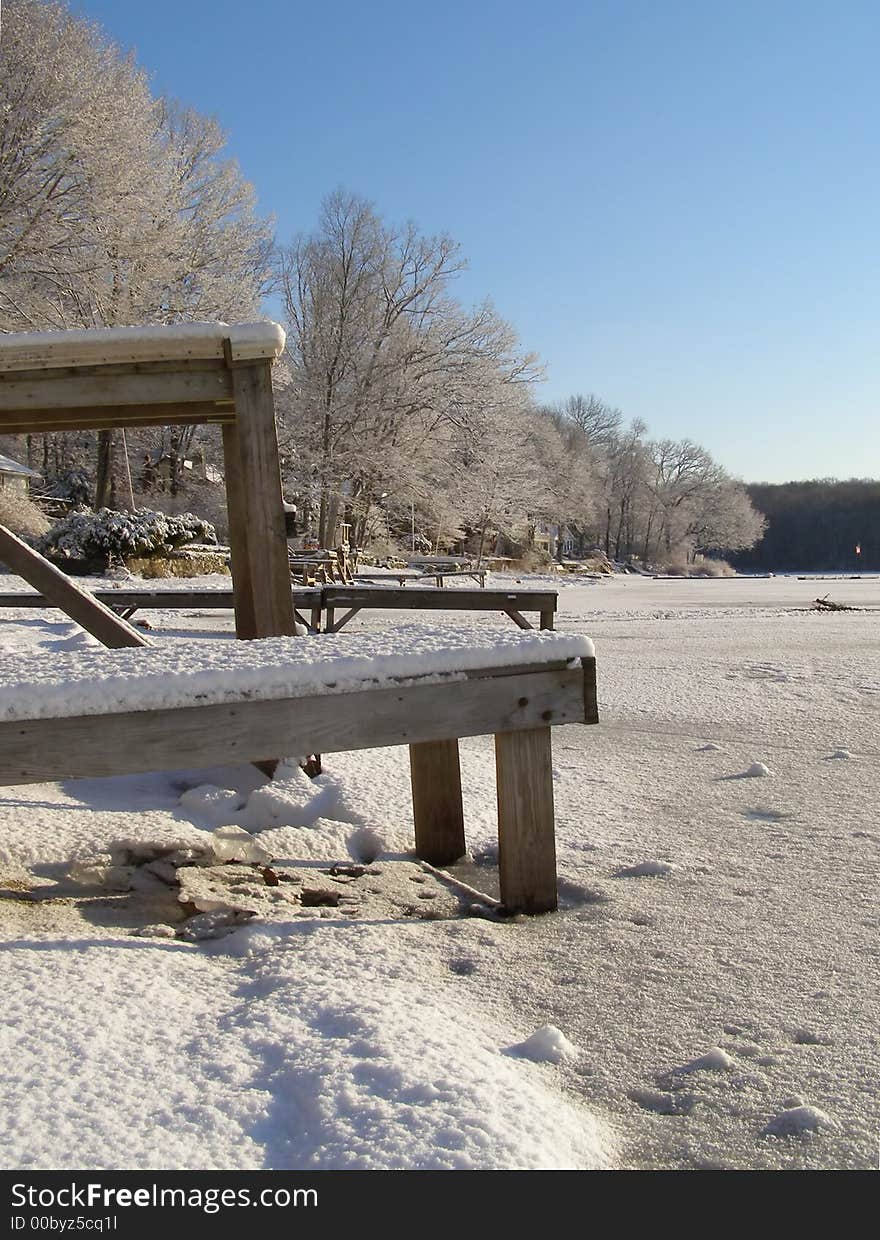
x=98 y=713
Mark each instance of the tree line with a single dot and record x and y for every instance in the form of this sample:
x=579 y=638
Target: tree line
x=401 y=406
x=817 y=526
x=403 y=413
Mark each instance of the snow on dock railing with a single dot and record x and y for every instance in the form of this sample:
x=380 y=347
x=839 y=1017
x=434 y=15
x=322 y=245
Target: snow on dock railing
x=194 y=673
x=152 y=342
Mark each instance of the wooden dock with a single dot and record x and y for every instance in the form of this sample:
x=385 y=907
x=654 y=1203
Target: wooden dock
x=316 y=607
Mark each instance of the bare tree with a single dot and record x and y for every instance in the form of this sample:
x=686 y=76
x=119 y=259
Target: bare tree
x=77 y=184
x=598 y=422
x=505 y=475
x=115 y=208
x=727 y=521
x=384 y=363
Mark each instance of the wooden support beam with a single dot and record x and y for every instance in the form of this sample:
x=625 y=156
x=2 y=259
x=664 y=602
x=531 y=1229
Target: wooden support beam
x=108 y=387
x=435 y=775
x=343 y=620
x=300 y=619
x=546 y=619
x=591 y=698
x=41 y=422
x=237 y=511
x=98 y=619
x=517 y=617
x=526 y=841
x=266 y=530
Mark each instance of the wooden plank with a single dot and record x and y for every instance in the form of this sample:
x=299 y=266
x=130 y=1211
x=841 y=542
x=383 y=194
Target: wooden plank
x=526 y=840
x=435 y=775
x=116 y=744
x=23 y=599
x=239 y=554
x=546 y=620
x=39 y=422
x=171 y=600
x=416 y=598
x=18 y=357
x=98 y=619
x=91 y=391
x=266 y=529
x=66 y=373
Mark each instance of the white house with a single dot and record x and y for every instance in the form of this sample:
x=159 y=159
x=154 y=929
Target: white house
x=14 y=475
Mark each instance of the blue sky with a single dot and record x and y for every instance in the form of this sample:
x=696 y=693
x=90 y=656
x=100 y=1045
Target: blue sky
x=674 y=202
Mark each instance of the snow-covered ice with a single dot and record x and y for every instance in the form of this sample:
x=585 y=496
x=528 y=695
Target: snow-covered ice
x=321 y=1037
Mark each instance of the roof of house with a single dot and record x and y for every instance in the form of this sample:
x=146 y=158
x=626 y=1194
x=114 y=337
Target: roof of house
x=8 y=466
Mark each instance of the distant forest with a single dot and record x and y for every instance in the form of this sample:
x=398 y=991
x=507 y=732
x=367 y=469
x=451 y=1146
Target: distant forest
x=816 y=526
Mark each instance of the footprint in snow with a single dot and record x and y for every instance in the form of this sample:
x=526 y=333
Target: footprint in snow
x=645 y=869
x=838 y=754
x=664 y=1103
x=759 y=814
x=574 y=893
x=711 y=747
x=810 y=1037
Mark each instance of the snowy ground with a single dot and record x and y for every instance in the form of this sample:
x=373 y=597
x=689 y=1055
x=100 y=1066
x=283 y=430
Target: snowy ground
x=710 y=983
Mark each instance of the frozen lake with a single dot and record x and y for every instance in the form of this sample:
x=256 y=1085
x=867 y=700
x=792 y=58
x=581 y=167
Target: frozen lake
x=712 y=972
